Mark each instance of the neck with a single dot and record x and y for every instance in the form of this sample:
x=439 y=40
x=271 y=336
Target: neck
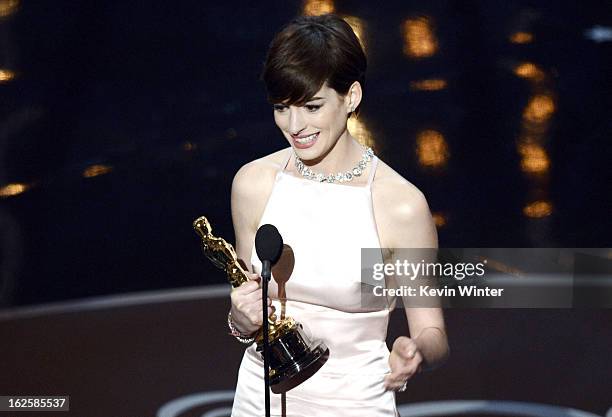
x=341 y=157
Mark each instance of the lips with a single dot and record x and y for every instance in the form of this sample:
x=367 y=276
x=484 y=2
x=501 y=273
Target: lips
x=303 y=142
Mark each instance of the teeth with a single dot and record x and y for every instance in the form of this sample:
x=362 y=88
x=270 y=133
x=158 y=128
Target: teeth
x=306 y=139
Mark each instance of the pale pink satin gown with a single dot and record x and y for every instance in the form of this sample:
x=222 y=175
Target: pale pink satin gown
x=326 y=225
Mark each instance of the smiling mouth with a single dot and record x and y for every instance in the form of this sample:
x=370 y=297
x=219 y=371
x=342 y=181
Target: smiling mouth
x=306 y=139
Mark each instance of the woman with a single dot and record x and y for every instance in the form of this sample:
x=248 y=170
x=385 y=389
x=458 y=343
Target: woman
x=329 y=198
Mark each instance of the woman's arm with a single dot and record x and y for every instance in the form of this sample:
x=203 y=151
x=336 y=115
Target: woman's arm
x=244 y=211
x=247 y=208
x=251 y=188
x=406 y=222
x=426 y=324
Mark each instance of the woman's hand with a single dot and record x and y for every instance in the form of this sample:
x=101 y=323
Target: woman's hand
x=246 y=306
x=405 y=361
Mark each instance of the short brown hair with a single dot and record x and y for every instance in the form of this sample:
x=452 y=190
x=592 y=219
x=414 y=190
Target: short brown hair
x=308 y=52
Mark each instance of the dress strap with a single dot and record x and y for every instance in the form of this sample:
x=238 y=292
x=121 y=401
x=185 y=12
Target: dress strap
x=372 y=170
x=286 y=163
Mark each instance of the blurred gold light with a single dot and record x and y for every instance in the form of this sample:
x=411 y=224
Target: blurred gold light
x=318 y=7
x=8 y=7
x=359 y=130
x=431 y=148
x=521 y=37
x=432 y=84
x=529 y=71
x=6 y=75
x=439 y=219
x=10 y=190
x=95 y=170
x=539 y=109
x=419 y=40
x=538 y=209
x=358 y=27
x=534 y=158
x=189 y=146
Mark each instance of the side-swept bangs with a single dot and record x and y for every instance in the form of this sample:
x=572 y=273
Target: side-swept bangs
x=309 y=52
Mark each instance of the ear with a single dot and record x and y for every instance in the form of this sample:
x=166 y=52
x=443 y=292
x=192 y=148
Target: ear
x=353 y=97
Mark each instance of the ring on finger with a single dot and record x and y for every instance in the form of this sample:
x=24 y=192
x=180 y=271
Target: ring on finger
x=403 y=387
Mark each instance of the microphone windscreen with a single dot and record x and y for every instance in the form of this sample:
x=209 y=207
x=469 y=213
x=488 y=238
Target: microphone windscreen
x=268 y=243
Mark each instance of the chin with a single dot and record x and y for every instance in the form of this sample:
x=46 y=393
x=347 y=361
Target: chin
x=307 y=154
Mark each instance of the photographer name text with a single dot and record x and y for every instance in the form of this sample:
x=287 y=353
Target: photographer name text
x=428 y=291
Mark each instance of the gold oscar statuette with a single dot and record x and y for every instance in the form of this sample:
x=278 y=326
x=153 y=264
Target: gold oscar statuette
x=293 y=357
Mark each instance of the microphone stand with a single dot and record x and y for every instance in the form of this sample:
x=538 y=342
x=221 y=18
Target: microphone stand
x=266 y=274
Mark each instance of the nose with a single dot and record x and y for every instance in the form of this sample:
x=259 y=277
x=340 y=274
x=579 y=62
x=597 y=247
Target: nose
x=296 y=122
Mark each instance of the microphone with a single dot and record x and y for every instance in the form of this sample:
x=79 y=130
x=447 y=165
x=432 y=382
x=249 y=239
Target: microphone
x=269 y=247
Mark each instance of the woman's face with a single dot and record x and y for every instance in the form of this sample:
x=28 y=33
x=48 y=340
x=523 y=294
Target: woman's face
x=314 y=128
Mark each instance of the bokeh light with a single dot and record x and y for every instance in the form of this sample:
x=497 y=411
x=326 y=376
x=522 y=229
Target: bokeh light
x=10 y=190
x=440 y=219
x=534 y=158
x=419 y=39
x=96 y=170
x=431 y=149
x=6 y=75
x=538 y=209
x=529 y=71
x=8 y=7
x=359 y=130
x=431 y=84
x=539 y=109
x=521 y=37
x=318 y=7
x=189 y=146
x=358 y=27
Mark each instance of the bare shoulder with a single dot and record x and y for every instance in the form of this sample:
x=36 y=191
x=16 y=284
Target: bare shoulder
x=390 y=186
x=256 y=173
x=402 y=212
x=252 y=185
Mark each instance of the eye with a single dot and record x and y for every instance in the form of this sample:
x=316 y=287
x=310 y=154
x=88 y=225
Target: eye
x=312 y=107
x=279 y=107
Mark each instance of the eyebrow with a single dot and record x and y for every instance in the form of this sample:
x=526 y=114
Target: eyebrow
x=315 y=98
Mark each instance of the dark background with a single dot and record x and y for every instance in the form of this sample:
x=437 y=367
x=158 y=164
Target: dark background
x=166 y=94
x=163 y=99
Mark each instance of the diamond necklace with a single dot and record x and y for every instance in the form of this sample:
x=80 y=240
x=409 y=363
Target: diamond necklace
x=346 y=176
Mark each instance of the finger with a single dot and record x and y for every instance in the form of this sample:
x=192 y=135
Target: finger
x=255 y=277
x=390 y=382
x=251 y=284
x=387 y=383
x=400 y=342
x=246 y=287
x=393 y=384
x=393 y=376
x=255 y=316
x=253 y=297
x=408 y=350
x=403 y=342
